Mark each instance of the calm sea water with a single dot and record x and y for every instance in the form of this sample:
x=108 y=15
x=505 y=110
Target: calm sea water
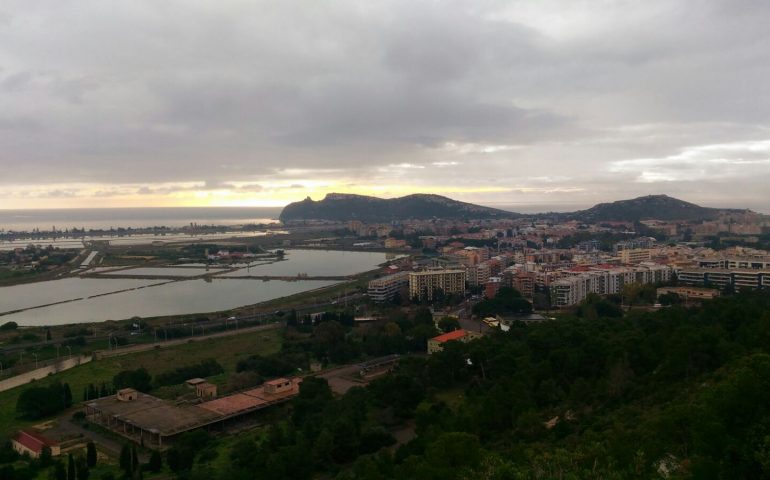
x=105 y=218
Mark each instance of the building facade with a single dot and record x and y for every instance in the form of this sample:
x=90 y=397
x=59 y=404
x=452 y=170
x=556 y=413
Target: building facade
x=436 y=344
x=384 y=289
x=422 y=285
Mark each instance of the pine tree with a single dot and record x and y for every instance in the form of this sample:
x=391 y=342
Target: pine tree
x=59 y=472
x=125 y=458
x=134 y=458
x=45 y=457
x=70 y=468
x=156 y=462
x=91 y=454
x=82 y=469
x=67 y=395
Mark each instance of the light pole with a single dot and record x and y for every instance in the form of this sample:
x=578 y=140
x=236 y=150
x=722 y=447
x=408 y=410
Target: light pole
x=35 y=355
x=70 y=349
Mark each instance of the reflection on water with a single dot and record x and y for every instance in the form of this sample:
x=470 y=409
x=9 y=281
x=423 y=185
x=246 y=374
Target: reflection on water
x=42 y=293
x=173 y=298
x=148 y=298
x=314 y=263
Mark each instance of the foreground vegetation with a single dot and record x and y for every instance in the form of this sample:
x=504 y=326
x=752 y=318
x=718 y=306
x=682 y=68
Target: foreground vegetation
x=676 y=393
x=227 y=350
x=679 y=393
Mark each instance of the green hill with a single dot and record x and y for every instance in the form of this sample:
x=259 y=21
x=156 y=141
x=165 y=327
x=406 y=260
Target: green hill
x=345 y=207
x=659 y=207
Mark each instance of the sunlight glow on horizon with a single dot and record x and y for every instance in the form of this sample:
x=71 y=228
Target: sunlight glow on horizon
x=233 y=194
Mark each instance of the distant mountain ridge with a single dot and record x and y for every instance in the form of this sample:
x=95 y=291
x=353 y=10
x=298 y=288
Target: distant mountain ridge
x=346 y=207
x=658 y=207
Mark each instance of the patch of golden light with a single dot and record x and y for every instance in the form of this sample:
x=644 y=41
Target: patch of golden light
x=233 y=194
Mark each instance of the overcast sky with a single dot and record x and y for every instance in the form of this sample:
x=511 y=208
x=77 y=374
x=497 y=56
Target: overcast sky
x=542 y=102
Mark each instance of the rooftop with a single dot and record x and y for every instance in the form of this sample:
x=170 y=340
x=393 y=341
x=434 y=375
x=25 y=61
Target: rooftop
x=454 y=335
x=153 y=414
x=33 y=441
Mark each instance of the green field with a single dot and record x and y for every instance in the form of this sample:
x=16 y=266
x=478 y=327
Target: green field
x=226 y=350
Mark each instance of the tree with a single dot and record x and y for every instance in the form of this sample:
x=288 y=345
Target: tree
x=138 y=379
x=59 y=472
x=180 y=459
x=91 y=454
x=126 y=462
x=9 y=326
x=448 y=324
x=38 y=401
x=423 y=316
x=67 y=394
x=45 y=457
x=82 y=469
x=71 y=468
x=155 y=463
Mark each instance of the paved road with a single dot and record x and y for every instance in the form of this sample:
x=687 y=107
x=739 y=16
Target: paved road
x=39 y=373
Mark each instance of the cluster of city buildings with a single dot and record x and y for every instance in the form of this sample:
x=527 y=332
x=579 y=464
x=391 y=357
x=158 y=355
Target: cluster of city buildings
x=566 y=276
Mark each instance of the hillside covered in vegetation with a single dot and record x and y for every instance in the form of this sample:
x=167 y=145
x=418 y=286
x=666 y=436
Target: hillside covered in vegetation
x=345 y=207
x=682 y=392
x=678 y=393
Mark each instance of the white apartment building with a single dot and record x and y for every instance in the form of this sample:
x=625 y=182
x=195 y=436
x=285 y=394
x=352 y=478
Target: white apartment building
x=575 y=285
x=478 y=274
x=423 y=284
x=384 y=289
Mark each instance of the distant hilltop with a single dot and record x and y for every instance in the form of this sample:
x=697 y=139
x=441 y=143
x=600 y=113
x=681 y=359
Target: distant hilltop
x=346 y=207
x=658 y=207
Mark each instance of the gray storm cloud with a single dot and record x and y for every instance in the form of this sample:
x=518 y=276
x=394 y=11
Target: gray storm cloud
x=552 y=100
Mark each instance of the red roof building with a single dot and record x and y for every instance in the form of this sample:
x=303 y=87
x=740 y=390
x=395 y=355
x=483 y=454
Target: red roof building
x=32 y=443
x=436 y=344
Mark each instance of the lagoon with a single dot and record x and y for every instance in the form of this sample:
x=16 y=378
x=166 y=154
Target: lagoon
x=150 y=298
x=173 y=298
x=314 y=263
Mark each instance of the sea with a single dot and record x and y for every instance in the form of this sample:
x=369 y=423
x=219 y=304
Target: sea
x=106 y=218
